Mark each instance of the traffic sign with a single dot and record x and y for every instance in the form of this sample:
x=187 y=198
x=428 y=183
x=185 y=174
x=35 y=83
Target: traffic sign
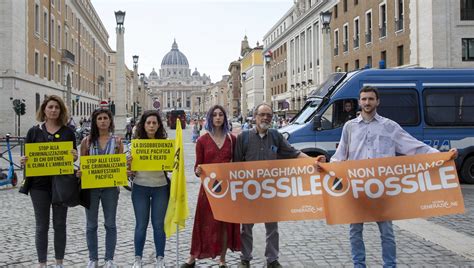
x=156 y=104
x=104 y=104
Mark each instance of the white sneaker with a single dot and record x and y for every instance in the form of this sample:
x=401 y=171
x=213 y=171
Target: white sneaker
x=92 y=264
x=110 y=264
x=160 y=262
x=138 y=262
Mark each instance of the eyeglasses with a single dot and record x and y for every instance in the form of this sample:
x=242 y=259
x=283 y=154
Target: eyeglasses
x=265 y=115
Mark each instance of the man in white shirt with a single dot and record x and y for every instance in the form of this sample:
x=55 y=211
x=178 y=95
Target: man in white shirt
x=372 y=136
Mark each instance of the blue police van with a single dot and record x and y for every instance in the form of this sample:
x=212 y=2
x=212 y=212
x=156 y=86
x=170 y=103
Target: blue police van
x=434 y=105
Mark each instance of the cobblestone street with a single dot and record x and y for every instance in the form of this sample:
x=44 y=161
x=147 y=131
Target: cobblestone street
x=302 y=244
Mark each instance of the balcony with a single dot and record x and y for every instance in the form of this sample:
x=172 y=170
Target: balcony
x=383 y=30
x=356 y=41
x=399 y=24
x=368 y=37
x=68 y=57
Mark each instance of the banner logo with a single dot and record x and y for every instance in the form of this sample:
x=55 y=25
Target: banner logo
x=214 y=187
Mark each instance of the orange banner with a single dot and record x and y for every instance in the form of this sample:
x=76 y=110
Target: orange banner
x=264 y=191
x=391 y=188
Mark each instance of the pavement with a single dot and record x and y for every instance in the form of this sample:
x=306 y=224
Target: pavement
x=436 y=242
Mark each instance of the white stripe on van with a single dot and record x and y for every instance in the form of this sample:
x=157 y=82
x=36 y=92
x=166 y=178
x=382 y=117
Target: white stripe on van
x=390 y=85
x=463 y=143
x=327 y=145
x=447 y=84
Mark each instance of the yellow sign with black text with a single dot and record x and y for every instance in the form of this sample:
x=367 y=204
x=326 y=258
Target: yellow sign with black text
x=152 y=155
x=49 y=158
x=101 y=171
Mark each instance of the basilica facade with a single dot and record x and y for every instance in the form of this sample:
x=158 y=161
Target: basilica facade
x=175 y=87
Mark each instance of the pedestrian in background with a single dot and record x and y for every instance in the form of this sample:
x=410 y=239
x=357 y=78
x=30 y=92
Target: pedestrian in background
x=262 y=143
x=196 y=130
x=101 y=141
x=211 y=237
x=150 y=194
x=372 y=136
x=53 y=116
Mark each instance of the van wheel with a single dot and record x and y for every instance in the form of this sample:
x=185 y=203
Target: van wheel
x=467 y=171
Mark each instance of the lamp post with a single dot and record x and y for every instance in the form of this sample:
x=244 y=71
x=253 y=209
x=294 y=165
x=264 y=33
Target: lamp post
x=134 y=91
x=120 y=80
x=268 y=74
x=326 y=53
x=243 y=99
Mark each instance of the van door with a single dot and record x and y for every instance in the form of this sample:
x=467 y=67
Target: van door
x=401 y=103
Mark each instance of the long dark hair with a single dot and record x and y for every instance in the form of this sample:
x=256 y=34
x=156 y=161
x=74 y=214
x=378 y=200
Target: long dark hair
x=209 y=123
x=94 y=135
x=160 y=132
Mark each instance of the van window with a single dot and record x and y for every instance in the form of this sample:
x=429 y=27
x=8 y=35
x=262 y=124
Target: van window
x=339 y=113
x=449 y=107
x=307 y=111
x=400 y=105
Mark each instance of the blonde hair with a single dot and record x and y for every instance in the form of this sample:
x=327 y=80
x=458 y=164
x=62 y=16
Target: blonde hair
x=63 y=114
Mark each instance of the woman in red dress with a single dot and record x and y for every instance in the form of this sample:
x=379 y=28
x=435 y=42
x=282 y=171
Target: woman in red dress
x=212 y=237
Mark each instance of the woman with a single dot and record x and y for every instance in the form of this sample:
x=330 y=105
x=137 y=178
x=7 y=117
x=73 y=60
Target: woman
x=196 y=130
x=101 y=141
x=211 y=237
x=53 y=116
x=150 y=192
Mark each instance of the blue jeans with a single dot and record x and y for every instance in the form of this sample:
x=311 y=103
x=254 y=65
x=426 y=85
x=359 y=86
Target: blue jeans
x=389 y=248
x=109 y=198
x=146 y=199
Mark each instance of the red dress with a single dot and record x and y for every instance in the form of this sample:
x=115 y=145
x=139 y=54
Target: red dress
x=206 y=239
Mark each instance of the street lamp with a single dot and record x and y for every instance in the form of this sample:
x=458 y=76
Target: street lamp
x=326 y=20
x=244 y=76
x=135 y=60
x=268 y=56
x=119 y=18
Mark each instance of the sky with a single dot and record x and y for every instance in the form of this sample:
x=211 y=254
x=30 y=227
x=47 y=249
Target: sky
x=208 y=32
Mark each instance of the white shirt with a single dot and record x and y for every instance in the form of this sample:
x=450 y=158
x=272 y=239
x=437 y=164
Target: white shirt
x=380 y=137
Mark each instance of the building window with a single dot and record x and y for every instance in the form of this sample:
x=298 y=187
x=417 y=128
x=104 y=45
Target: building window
x=383 y=20
x=37 y=101
x=345 y=5
x=356 y=2
x=369 y=61
x=368 y=27
x=356 y=32
x=400 y=56
x=53 y=40
x=45 y=66
x=356 y=65
x=345 y=42
x=467 y=9
x=335 y=11
x=336 y=42
x=36 y=63
x=346 y=67
x=59 y=73
x=37 y=19
x=383 y=57
x=52 y=70
x=399 y=15
x=59 y=37
x=468 y=49
x=45 y=26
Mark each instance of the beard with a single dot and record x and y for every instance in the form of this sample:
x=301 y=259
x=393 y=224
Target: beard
x=264 y=126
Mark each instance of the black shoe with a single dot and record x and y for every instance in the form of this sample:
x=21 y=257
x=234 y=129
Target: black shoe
x=244 y=264
x=274 y=264
x=188 y=265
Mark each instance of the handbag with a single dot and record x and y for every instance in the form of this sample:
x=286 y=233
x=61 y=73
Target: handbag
x=66 y=190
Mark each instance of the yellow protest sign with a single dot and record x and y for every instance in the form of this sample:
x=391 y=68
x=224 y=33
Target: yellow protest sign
x=152 y=155
x=100 y=171
x=49 y=158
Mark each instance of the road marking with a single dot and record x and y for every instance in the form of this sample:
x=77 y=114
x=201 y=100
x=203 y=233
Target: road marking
x=456 y=242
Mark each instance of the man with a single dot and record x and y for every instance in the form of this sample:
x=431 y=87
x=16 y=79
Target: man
x=373 y=136
x=262 y=143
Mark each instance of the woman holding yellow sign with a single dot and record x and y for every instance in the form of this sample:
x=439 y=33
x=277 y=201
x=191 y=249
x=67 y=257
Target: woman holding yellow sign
x=210 y=236
x=150 y=193
x=101 y=141
x=54 y=117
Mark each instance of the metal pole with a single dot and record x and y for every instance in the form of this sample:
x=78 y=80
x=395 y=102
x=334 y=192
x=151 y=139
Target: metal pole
x=177 y=245
x=19 y=116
